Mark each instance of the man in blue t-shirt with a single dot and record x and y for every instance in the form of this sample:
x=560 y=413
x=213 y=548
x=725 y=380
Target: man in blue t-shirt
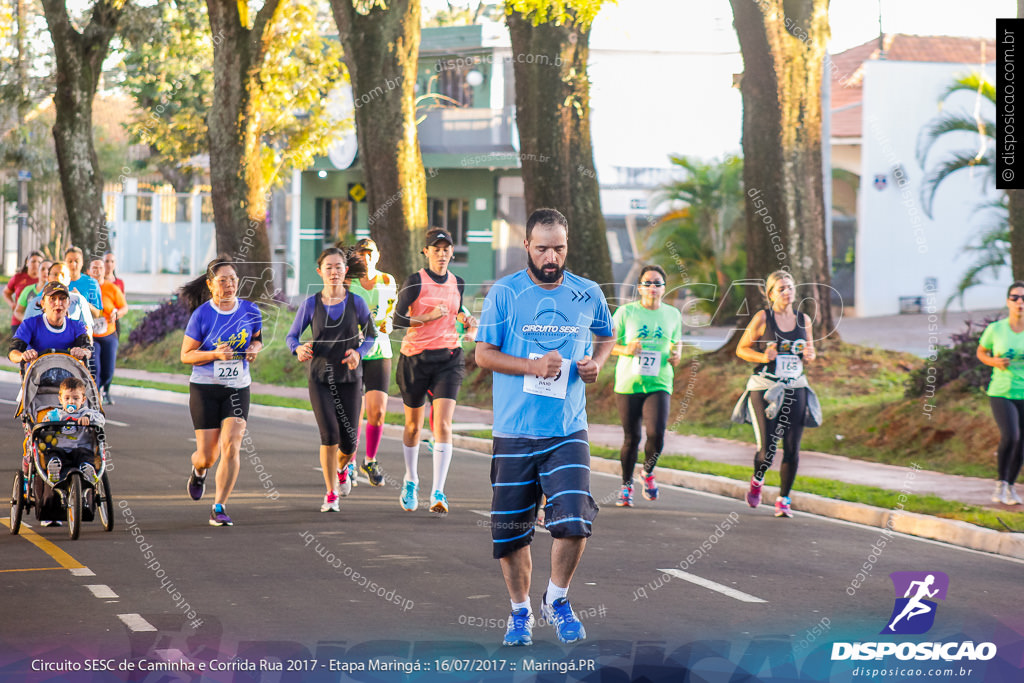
x=537 y=333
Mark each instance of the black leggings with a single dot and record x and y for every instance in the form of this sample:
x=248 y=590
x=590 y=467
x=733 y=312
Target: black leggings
x=336 y=408
x=1009 y=414
x=788 y=425
x=652 y=408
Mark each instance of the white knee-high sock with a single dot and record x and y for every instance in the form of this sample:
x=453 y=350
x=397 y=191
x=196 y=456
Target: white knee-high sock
x=442 y=461
x=412 y=456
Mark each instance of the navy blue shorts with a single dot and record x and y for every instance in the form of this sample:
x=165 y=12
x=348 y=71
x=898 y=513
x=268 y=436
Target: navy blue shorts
x=522 y=470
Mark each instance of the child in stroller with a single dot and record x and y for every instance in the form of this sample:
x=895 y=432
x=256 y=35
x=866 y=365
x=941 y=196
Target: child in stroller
x=73 y=443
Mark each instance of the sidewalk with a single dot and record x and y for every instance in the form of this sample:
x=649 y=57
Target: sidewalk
x=970 y=490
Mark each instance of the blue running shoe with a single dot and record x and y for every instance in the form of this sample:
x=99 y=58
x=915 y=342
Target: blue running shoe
x=520 y=629
x=196 y=485
x=567 y=626
x=650 y=490
x=408 y=499
x=438 y=503
x=352 y=473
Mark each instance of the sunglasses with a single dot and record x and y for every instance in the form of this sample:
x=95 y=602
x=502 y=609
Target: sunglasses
x=656 y=283
x=1016 y=297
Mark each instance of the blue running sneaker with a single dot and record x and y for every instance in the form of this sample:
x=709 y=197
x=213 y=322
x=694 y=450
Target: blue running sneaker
x=438 y=503
x=352 y=473
x=567 y=626
x=408 y=499
x=650 y=490
x=520 y=629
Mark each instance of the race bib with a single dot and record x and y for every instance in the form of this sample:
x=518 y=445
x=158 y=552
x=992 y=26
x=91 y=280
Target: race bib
x=99 y=325
x=647 y=363
x=553 y=387
x=227 y=371
x=788 y=366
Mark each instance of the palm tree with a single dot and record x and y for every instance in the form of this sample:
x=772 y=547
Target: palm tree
x=703 y=223
x=992 y=242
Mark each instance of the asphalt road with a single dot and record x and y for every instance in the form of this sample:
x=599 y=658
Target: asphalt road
x=749 y=597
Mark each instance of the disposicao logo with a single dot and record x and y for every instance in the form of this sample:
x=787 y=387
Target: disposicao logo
x=913 y=613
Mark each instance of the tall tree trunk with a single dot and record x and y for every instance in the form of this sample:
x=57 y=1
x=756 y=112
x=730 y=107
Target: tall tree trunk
x=238 y=192
x=553 y=117
x=79 y=62
x=782 y=176
x=381 y=51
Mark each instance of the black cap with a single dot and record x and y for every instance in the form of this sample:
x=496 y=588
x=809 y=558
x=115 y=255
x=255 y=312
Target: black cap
x=52 y=288
x=435 y=235
x=366 y=244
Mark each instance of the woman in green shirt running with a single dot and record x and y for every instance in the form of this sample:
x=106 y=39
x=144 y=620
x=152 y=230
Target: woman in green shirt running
x=1002 y=348
x=648 y=342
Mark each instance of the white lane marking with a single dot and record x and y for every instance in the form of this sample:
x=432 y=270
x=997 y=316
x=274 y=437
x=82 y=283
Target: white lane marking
x=724 y=590
x=488 y=516
x=8 y=401
x=101 y=591
x=82 y=571
x=135 y=622
x=117 y=423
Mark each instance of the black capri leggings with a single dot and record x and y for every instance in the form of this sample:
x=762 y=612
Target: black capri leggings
x=652 y=409
x=788 y=425
x=1009 y=414
x=336 y=408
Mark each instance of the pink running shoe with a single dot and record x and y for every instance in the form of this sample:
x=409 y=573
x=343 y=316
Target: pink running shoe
x=754 y=494
x=782 y=508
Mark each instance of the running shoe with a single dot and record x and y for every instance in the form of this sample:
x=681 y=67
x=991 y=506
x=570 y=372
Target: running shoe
x=408 y=499
x=89 y=472
x=625 y=499
x=567 y=627
x=351 y=468
x=219 y=516
x=754 y=494
x=373 y=473
x=782 y=507
x=650 y=491
x=53 y=470
x=196 y=485
x=438 y=503
x=997 y=495
x=344 y=483
x=330 y=503
x=106 y=397
x=1014 y=498
x=51 y=522
x=520 y=628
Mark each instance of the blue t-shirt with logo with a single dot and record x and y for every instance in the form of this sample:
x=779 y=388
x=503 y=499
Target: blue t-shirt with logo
x=211 y=327
x=523 y=319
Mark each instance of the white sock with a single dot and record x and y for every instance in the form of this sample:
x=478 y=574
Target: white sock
x=412 y=456
x=521 y=605
x=554 y=592
x=442 y=461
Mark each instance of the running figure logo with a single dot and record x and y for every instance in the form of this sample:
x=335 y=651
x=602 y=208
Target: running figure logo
x=914 y=612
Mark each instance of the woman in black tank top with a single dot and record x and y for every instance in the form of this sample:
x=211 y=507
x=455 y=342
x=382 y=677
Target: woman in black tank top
x=779 y=340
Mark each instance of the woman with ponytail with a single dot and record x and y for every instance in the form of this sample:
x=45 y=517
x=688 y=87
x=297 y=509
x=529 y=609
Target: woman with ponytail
x=222 y=337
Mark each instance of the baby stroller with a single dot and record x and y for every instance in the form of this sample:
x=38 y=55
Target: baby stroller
x=75 y=497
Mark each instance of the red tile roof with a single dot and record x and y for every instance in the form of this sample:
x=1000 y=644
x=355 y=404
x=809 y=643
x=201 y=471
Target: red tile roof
x=847 y=69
